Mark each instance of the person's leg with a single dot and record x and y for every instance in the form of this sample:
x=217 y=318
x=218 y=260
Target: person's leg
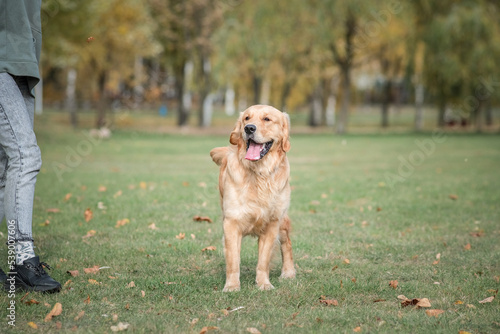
x=24 y=162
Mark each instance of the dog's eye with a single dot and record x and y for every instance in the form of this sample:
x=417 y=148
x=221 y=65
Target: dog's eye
x=267 y=119
x=247 y=118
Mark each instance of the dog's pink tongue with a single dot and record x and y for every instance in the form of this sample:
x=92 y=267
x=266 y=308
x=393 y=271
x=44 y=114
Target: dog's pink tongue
x=253 y=152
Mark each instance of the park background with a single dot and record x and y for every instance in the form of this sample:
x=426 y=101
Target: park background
x=395 y=156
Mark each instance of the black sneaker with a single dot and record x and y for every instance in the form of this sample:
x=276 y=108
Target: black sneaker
x=3 y=277
x=31 y=276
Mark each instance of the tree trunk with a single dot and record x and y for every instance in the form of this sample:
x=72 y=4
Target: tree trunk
x=265 y=91
x=385 y=103
x=102 y=103
x=257 y=83
x=479 y=117
x=285 y=92
x=488 y=113
x=419 y=107
x=441 y=112
x=316 y=106
x=70 y=97
x=229 y=100
x=346 y=99
x=204 y=90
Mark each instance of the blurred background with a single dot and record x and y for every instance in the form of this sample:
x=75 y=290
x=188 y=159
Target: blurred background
x=335 y=66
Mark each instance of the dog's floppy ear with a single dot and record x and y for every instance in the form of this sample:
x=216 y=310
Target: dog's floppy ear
x=236 y=133
x=285 y=142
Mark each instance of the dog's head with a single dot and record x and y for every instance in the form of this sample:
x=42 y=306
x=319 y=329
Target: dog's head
x=260 y=130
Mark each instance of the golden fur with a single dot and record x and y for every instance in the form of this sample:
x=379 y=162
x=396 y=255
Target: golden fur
x=255 y=195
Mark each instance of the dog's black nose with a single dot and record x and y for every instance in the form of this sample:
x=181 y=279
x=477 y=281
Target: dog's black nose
x=250 y=128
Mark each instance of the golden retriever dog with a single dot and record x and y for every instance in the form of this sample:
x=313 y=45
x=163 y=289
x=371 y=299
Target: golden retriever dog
x=255 y=192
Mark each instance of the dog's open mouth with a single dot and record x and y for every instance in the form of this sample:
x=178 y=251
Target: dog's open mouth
x=256 y=151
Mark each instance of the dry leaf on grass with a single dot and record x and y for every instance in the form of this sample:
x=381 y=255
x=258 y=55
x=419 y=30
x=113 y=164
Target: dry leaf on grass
x=393 y=284
x=209 y=248
x=102 y=189
x=346 y=261
x=143 y=185
x=122 y=222
x=32 y=301
x=88 y=214
x=67 y=197
x=87 y=300
x=253 y=330
x=467 y=247
x=80 y=315
x=357 y=329
x=328 y=302
x=131 y=285
x=208 y=328
x=73 y=273
x=153 y=227
x=53 y=210
x=418 y=302
x=180 y=236
x=143 y=293
x=32 y=325
x=202 y=219
x=434 y=313
x=92 y=270
x=56 y=310
x=89 y=234
x=487 y=300
x=453 y=197
x=120 y=327
x=117 y=194
x=94 y=282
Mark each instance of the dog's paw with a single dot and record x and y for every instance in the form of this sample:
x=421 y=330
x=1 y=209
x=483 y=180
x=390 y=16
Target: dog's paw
x=288 y=274
x=266 y=286
x=231 y=288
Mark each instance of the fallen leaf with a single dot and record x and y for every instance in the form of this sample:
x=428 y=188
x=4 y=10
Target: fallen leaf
x=53 y=210
x=80 y=315
x=334 y=268
x=357 y=329
x=93 y=281
x=46 y=223
x=122 y=222
x=32 y=301
x=470 y=306
x=68 y=282
x=56 y=310
x=193 y=236
x=32 y=325
x=424 y=302
x=117 y=194
x=253 y=330
x=487 y=300
x=92 y=270
x=87 y=300
x=101 y=206
x=459 y=302
x=346 y=261
x=202 y=219
x=434 y=313
x=328 y=302
x=143 y=294
x=67 y=197
x=102 y=188
x=464 y=332
x=89 y=234
x=209 y=248
x=88 y=215
x=120 y=327
x=208 y=328
x=379 y=300
x=115 y=317
x=453 y=197
x=180 y=236
x=143 y=185
x=152 y=226
x=131 y=285
x=393 y=284
x=467 y=247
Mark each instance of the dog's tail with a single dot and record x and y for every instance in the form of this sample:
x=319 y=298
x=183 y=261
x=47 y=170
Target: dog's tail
x=218 y=154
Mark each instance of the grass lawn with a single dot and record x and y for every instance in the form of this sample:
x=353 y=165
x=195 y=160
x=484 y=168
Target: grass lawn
x=366 y=210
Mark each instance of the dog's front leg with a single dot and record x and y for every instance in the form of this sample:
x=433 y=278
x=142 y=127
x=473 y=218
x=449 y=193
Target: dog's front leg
x=232 y=248
x=266 y=245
